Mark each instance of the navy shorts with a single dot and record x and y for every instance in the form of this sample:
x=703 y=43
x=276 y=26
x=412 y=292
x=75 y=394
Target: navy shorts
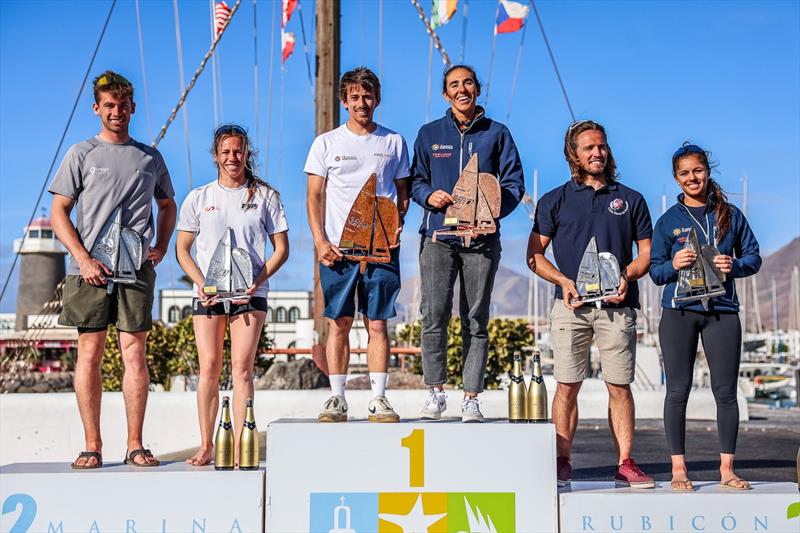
x=376 y=289
x=258 y=303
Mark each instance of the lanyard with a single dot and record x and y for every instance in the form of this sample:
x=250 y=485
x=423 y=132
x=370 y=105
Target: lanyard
x=706 y=231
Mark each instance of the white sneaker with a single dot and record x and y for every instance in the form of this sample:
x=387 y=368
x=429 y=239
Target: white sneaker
x=334 y=410
x=471 y=410
x=380 y=410
x=435 y=405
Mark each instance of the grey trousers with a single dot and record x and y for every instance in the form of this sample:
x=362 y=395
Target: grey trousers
x=439 y=264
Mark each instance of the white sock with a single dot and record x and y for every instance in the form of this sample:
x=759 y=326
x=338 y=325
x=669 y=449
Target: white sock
x=377 y=380
x=337 y=384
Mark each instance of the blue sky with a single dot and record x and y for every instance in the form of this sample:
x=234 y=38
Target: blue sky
x=723 y=74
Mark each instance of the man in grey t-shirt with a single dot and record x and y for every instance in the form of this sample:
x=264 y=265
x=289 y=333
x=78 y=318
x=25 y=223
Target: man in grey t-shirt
x=97 y=176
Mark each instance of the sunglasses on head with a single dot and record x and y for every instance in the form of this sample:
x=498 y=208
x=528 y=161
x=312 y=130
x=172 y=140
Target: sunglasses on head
x=112 y=78
x=687 y=149
x=227 y=129
x=578 y=123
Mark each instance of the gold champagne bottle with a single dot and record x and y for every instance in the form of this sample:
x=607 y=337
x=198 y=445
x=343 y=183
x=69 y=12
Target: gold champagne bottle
x=248 y=442
x=537 y=393
x=516 y=392
x=223 y=442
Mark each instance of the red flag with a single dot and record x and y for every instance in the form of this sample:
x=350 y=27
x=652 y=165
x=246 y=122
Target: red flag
x=287 y=10
x=221 y=15
x=287 y=45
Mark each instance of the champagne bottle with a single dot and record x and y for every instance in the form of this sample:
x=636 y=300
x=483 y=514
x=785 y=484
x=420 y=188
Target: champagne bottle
x=223 y=442
x=248 y=442
x=537 y=393
x=516 y=392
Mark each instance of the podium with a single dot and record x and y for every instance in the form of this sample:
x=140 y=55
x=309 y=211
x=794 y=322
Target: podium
x=435 y=476
x=596 y=506
x=172 y=498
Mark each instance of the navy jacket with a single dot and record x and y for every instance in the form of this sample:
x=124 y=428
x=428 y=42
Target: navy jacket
x=669 y=237
x=442 y=150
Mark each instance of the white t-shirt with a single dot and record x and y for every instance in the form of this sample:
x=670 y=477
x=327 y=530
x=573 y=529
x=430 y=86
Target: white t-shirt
x=209 y=210
x=346 y=161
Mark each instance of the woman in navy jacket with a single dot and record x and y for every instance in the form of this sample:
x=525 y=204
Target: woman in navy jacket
x=703 y=207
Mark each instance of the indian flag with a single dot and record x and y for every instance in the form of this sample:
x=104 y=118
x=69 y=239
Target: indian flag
x=442 y=12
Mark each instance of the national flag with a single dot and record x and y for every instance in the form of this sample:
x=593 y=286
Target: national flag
x=442 y=12
x=510 y=16
x=221 y=15
x=287 y=8
x=287 y=45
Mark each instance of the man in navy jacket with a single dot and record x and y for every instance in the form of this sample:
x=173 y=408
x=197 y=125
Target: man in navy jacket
x=441 y=151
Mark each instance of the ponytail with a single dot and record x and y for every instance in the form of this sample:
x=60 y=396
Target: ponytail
x=722 y=209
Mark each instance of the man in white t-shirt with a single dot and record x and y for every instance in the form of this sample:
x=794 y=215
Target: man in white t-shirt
x=338 y=165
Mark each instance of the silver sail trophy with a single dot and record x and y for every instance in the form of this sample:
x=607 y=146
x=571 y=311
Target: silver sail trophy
x=119 y=249
x=598 y=275
x=701 y=280
x=230 y=272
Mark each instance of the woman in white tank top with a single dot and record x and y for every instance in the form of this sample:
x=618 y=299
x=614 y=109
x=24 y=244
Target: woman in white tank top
x=244 y=211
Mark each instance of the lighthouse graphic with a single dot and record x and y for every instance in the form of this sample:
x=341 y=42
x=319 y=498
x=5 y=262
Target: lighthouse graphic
x=338 y=512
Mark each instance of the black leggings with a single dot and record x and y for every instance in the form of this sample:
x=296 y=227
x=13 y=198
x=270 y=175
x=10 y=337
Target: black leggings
x=722 y=335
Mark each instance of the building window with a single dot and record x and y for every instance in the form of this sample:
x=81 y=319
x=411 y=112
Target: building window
x=280 y=315
x=186 y=311
x=294 y=314
x=270 y=314
x=174 y=314
x=33 y=234
x=47 y=234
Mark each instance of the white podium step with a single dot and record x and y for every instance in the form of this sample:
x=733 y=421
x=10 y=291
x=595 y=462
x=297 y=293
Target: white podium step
x=419 y=476
x=592 y=506
x=172 y=498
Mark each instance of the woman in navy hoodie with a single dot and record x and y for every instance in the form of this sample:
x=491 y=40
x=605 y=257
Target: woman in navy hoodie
x=703 y=207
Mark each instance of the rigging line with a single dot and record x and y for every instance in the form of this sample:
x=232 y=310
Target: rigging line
x=491 y=54
x=186 y=150
x=430 y=74
x=255 y=68
x=552 y=59
x=197 y=73
x=437 y=43
x=144 y=72
x=60 y=144
x=305 y=47
x=269 y=89
x=214 y=65
x=464 y=33
x=516 y=72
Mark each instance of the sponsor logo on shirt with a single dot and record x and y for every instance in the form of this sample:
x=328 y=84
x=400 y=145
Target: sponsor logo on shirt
x=345 y=158
x=210 y=208
x=378 y=154
x=436 y=147
x=99 y=170
x=618 y=206
x=247 y=206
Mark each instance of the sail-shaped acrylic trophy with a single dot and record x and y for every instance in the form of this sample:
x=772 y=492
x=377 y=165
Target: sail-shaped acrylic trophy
x=476 y=203
x=371 y=227
x=701 y=280
x=230 y=272
x=119 y=249
x=598 y=275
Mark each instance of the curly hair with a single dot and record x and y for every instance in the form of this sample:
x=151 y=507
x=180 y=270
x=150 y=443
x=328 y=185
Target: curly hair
x=571 y=149
x=360 y=77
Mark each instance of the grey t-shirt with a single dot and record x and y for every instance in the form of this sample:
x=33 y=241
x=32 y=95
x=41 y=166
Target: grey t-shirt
x=100 y=176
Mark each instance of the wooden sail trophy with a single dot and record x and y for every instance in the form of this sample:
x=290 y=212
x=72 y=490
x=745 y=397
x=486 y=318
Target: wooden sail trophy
x=371 y=227
x=598 y=275
x=701 y=280
x=119 y=249
x=476 y=204
x=230 y=272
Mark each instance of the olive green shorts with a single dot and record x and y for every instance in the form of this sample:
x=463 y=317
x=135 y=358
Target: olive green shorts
x=129 y=306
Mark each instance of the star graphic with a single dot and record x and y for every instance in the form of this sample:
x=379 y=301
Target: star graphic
x=416 y=521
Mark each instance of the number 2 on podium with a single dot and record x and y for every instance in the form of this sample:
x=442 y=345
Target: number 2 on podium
x=415 y=442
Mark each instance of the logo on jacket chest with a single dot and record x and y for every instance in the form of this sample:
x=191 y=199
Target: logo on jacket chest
x=442 y=150
x=618 y=206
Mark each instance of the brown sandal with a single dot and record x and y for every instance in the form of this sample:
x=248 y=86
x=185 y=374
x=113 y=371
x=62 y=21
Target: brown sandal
x=682 y=485
x=735 y=483
x=130 y=458
x=86 y=465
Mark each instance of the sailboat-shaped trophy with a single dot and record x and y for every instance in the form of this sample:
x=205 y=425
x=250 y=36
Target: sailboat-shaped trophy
x=230 y=272
x=476 y=203
x=119 y=249
x=701 y=280
x=371 y=227
x=598 y=275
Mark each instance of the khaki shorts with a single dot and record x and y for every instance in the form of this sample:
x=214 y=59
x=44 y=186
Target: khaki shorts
x=130 y=306
x=614 y=331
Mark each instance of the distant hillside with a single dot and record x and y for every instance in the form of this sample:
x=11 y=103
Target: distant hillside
x=777 y=266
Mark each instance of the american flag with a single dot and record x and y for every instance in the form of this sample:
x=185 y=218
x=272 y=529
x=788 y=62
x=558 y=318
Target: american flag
x=221 y=15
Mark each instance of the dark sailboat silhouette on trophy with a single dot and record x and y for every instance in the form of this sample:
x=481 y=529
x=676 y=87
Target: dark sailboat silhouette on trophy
x=476 y=204
x=701 y=280
x=371 y=227
x=598 y=275
x=119 y=249
x=230 y=272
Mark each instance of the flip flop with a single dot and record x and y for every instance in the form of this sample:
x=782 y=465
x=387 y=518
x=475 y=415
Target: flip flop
x=130 y=458
x=86 y=465
x=682 y=485
x=733 y=484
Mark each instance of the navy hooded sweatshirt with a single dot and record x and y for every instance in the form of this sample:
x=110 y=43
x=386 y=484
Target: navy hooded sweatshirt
x=441 y=152
x=669 y=237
